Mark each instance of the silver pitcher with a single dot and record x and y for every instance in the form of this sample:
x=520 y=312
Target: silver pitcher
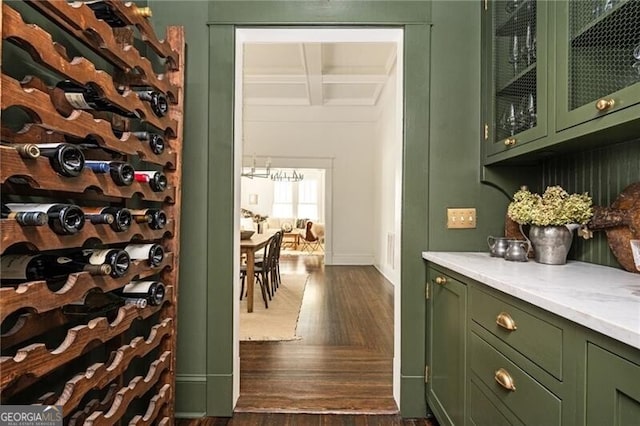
x=517 y=251
x=497 y=245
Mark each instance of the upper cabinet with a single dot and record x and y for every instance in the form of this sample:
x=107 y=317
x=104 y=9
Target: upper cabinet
x=598 y=59
x=558 y=75
x=515 y=90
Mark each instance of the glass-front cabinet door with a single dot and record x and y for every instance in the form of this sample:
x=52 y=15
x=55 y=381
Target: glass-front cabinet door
x=597 y=59
x=514 y=74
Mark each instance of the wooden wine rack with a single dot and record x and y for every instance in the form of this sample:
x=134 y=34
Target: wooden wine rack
x=132 y=355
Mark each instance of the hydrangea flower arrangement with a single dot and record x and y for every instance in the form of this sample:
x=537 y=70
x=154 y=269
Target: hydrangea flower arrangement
x=554 y=207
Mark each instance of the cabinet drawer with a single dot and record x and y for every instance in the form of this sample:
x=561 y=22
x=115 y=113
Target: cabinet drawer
x=530 y=402
x=482 y=412
x=533 y=337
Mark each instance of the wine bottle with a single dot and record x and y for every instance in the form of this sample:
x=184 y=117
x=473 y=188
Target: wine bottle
x=64 y=219
x=118 y=259
x=156 y=218
x=157 y=180
x=152 y=291
x=100 y=218
x=90 y=97
x=156 y=141
x=24 y=218
x=122 y=217
x=19 y=268
x=94 y=304
x=103 y=11
x=138 y=303
x=152 y=253
x=65 y=158
x=27 y=151
x=121 y=172
x=157 y=100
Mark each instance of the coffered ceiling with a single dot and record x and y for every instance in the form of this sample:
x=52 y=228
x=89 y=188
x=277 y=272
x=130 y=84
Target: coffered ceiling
x=316 y=74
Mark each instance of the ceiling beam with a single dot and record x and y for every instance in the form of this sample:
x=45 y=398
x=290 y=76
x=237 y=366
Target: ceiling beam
x=313 y=65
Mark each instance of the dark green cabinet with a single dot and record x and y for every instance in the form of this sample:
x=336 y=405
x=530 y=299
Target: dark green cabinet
x=494 y=359
x=597 y=59
x=447 y=348
x=514 y=73
x=613 y=389
x=558 y=76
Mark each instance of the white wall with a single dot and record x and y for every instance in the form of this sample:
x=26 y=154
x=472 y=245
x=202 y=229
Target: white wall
x=350 y=147
x=387 y=185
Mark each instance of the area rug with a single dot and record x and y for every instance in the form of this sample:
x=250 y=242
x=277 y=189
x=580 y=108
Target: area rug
x=280 y=320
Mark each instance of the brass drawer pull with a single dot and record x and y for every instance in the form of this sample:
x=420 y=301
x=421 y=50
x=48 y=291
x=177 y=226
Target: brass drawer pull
x=441 y=280
x=605 y=104
x=505 y=380
x=505 y=321
x=510 y=142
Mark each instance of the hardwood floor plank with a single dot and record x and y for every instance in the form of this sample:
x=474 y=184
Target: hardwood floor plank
x=280 y=419
x=344 y=361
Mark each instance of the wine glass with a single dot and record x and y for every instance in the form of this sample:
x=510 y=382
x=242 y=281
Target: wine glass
x=532 y=117
x=511 y=120
x=636 y=55
x=529 y=45
x=608 y=5
x=514 y=53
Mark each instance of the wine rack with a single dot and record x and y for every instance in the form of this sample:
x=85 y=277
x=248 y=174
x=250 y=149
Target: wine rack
x=117 y=368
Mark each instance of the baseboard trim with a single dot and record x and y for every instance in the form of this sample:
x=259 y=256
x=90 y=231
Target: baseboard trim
x=191 y=395
x=353 y=259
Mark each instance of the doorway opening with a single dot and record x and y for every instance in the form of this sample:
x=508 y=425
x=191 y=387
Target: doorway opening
x=329 y=100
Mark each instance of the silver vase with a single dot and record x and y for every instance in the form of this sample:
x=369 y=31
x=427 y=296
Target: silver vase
x=551 y=243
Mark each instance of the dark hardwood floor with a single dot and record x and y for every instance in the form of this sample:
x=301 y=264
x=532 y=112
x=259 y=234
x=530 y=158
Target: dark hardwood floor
x=340 y=373
x=280 y=419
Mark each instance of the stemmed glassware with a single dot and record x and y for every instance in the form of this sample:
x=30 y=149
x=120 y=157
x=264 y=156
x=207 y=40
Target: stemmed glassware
x=529 y=45
x=636 y=55
x=509 y=120
x=514 y=53
x=527 y=117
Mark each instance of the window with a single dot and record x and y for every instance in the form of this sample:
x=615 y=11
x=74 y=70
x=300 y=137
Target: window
x=308 y=199
x=298 y=199
x=282 y=199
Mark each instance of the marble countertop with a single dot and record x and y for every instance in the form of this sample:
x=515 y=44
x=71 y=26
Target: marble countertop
x=601 y=298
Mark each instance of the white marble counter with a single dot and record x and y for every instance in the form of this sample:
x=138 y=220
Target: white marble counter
x=601 y=298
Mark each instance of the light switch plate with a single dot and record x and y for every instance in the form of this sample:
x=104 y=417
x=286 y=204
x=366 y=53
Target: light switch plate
x=461 y=218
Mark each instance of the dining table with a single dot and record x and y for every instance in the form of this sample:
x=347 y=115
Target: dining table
x=249 y=247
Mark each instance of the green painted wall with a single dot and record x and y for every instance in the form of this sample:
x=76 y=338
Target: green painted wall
x=191 y=380
x=441 y=169
x=603 y=173
x=455 y=131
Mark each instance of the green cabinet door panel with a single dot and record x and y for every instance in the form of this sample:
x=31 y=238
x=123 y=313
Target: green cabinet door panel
x=447 y=348
x=595 y=60
x=586 y=74
x=613 y=389
x=515 y=79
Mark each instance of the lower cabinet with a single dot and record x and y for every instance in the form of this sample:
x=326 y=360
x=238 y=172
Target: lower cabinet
x=613 y=389
x=496 y=360
x=447 y=348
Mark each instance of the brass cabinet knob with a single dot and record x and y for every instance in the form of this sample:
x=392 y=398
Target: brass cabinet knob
x=505 y=321
x=605 y=104
x=441 y=280
x=509 y=141
x=505 y=380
